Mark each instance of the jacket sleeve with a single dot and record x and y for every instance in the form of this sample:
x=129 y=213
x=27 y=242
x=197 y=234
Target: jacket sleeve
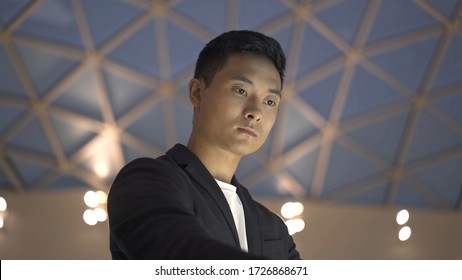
x=151 y=217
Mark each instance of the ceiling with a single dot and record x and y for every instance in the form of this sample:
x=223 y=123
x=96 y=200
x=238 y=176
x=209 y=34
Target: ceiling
x=371 y=112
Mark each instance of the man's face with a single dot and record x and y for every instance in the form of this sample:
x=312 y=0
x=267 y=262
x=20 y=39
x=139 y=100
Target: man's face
x=236 y=112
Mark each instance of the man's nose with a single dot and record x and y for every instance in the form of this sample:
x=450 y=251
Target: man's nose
x=253 y=110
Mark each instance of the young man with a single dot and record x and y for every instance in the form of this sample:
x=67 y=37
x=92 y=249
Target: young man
x=187 y=204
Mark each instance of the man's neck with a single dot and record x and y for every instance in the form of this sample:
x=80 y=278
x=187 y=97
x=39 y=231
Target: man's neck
x=220 y=163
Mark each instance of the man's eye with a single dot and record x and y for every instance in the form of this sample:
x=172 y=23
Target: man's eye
x=271 y=102
x=241 y=91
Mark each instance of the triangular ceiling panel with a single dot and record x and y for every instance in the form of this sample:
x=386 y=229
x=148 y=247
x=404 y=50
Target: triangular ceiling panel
x=107 y=17
x=367 y=93
x=315 y=51
x=452 y=106
x=9 y=9
x=82 y=96
x=139 y=51
x=45 y=66
x=5 y=184
x=297 y=128
x=409 y=63
x=284 y=37
x=344 y=18
x=383 y=136
x=183 y=118
x=398 y=17
x=450 y=70
x=10 y=84
x=9 y=114
x=303 y=168
x=66 y=181
x=270 y=186
x=150 y=127
x=72 y=134
x=32 y=137
x=183 y=48
x=253 y=14
x=445 y=7
x=198 y=11
x=432 y=136
x=321 y=95
x=123 y=92
x=443 y=179
x=248 y=166
x=131 y=153
x=53 y=20
x=407 y=197
x=345 y=168
x=372 y=195
x=29 y=169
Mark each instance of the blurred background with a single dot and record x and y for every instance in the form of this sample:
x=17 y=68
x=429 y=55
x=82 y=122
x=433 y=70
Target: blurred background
x=370 y=122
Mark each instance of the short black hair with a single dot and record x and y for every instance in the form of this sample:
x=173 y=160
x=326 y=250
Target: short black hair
x=214 y=55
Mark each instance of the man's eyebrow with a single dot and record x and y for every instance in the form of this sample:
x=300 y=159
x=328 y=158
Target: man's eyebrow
x=250 y=82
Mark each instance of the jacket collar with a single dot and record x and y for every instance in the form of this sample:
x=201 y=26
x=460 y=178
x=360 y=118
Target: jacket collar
x=199 y=173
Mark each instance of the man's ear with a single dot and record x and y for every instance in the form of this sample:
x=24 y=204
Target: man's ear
x=195 y=91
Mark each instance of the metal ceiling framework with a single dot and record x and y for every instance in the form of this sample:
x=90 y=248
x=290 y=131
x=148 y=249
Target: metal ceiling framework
x=328 y=133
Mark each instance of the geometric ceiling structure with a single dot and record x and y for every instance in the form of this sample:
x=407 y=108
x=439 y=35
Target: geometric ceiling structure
x=371 y=110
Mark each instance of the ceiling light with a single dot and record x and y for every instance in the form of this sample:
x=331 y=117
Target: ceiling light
x=3 y=204
x=402 y=217
x=91 y=199
x=404 y=233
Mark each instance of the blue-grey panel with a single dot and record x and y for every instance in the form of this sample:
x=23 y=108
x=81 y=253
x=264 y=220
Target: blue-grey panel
x=30 y=170
x=407 y=197
x=303 y=168
x=139 y=50
x=32 y=137
x=72 y=135
x=444 y=178
x=106 y=17
x=450 y=70
x=284 y=37
x=253 y=14
x=315 y=51
x=150 y=126
x=396 y=17
x=368 y=92
x=297 y=128
x=452 y=106
x=409 y=63
x=123 y=92
x=432 y=136
x=9 y=82
x=53 y=20
x=382 y=137
x=269 y=186
x=4 y=182
x=183 y=48
x=247 y=166
x=131 y=154
x=344 y=18
x=45 y=67
x=67 y=181
x=200 y=11
x=183 y=119
x=321 y=95
x=446 y=7
x=82 y=96
x=372 y=196
x=8 y=115
x=9 y=9
x=345 y=168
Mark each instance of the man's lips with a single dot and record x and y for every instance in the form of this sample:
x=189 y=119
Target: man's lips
x=248 y=130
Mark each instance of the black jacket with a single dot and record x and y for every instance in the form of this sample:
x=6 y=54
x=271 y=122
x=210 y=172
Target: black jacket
x=172 y=208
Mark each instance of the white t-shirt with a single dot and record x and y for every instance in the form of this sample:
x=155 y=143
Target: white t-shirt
x=238 y=211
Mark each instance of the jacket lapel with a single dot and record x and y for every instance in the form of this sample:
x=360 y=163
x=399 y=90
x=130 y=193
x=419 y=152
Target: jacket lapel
x=199 y=173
